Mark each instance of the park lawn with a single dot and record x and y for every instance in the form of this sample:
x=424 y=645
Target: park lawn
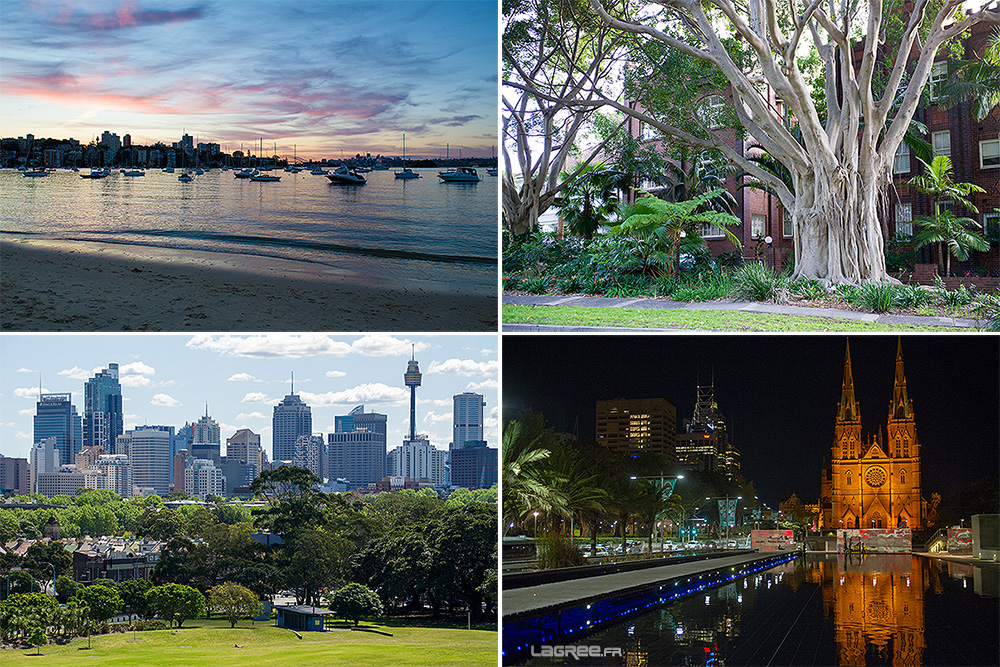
x=209 y=643
x=703 y=320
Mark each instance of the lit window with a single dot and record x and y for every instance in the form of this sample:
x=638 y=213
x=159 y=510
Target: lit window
x=901 y=164
x=939 y=73
x=904 y=219
x=989 y=154
x=942 y=143
x=757 y=225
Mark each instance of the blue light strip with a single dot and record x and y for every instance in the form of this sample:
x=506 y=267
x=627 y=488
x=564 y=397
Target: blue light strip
x=571 y=624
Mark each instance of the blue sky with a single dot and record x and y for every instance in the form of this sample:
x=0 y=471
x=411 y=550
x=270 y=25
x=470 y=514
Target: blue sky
x=325 y=76
x=168 y=378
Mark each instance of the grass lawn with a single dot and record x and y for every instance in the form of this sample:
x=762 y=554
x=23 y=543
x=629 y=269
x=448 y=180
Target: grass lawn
x=209 y=643
x=704 y=320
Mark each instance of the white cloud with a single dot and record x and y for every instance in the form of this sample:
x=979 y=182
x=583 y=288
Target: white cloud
x=30 y=392
x=8 y=424
x=466 y=367
x=134 y=381
x=136 y=368
x=165 y=400
x=377 y=393
x=77 y=373
x=269 y=346
x=386 y=346
x=27 y=370
x=433 y=418
x=250 y=415
x=335 y=374
x=26 y=411
x=21 y=435
x=242 y=377
x=440 y=402
x=257 y=397
x=485 y=384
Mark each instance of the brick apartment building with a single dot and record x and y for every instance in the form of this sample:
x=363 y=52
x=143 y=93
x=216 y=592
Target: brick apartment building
x=974 y=148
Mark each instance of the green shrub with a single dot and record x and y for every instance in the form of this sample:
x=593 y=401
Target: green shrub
x=911 y=296
x=807 y=288
x=703 y=287
x=356 y=601
x=535 y=285
x=957 y=298
x=557 y=551
x=757 y=282
x=147 y=624
x=877 y=297
x=664 y=286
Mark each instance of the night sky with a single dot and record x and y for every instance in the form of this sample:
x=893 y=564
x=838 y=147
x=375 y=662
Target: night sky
x=778 y=394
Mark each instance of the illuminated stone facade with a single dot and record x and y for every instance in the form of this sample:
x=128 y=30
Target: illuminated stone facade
x=874 y=481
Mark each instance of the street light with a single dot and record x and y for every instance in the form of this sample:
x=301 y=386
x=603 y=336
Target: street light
x=534 y=533
x=661 y=487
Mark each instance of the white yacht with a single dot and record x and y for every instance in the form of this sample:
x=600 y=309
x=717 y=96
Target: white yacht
x=344 y=176
x=460 y=175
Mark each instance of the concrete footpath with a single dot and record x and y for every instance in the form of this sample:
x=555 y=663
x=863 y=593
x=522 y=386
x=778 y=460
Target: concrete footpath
x=742 y=306
x=532 y=599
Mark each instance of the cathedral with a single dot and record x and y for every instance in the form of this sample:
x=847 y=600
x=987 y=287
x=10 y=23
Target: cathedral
x=874 y=481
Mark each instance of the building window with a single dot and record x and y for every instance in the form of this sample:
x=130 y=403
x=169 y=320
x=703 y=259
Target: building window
x=991 y=226
x=758 y=223
x=707 y=231
x=901 y=164
x=989 y=154
x=902 y=477
x=786 y=226
x=906 y=448
x=942 y=143
x=947 y=206
x=848 y=478
x=712 y=110
x=648 y=132
x=904 y=219
x=938 y=75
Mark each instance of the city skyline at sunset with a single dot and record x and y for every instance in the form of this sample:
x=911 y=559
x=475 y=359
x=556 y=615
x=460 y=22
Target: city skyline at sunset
x=321 y=79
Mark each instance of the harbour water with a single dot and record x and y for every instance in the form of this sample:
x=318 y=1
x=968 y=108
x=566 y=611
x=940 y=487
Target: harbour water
x=816 y=610
x=419 y=229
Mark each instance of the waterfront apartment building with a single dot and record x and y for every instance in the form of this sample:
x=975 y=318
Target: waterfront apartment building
x=467 y=419
x=292 y=418
x=56 y=417
x=634 y=426
x=102 y=410
x=149 y=452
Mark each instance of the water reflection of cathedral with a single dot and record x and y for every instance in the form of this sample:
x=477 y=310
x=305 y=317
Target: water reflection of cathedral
x=877 y=604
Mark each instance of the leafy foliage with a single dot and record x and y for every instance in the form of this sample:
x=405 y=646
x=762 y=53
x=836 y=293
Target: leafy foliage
x=356 y=601
x=102 y=601
x=757 y=282
x=234 y=601
x=176 y=602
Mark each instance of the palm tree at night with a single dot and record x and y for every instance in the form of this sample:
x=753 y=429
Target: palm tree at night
x=943 y=228
x=528 y=484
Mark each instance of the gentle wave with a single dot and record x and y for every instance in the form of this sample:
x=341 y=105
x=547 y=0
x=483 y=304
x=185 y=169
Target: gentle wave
x=264 y=241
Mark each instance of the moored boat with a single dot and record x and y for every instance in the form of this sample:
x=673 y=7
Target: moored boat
x=460 y=175
x=344 y=176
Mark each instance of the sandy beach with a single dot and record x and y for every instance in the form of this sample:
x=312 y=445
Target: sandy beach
x=89 y=286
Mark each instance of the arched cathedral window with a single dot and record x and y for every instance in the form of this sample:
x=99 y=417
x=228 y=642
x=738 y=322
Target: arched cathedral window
x=902 y=477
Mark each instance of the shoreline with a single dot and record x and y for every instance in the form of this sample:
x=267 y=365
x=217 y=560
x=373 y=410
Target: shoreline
x=48 y=285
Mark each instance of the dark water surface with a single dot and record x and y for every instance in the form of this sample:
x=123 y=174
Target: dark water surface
x=819 y=610
x=420 y=228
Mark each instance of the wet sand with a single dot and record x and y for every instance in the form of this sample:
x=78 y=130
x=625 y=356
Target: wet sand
x=87 y=286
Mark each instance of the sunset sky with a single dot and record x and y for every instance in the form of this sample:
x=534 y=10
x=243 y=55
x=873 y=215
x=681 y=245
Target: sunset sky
x=324 y=76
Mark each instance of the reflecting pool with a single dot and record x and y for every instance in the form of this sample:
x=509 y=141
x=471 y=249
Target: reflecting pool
x=815 y=610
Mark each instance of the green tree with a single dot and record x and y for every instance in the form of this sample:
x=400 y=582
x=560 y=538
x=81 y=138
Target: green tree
x=943 y=228
x=65 y=589
x=293 y=501
x=22 y=582
x=976 y=80
x=102 y=601
x=355 y=601
x=526 y=484
x=234 y=601
x=589 y=199
x=314 y=560
x=160 y=524
x=133 y=593
x=176 y=602
x=662 y=229
x=462 y=549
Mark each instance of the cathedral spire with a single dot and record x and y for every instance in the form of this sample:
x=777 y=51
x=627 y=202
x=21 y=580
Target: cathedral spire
x=847 y=410
x=901 y=407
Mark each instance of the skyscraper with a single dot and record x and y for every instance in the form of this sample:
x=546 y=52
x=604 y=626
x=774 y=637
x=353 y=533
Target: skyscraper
x=467 y=419
x=117 y=470
x=634 y=426
x=43 y=458
x=206 y=439
x=309 y=453
x=356 y=452
x=149 y=452
x=55 y=416
x=244 y=446
x=102 y=410
x=292 y=418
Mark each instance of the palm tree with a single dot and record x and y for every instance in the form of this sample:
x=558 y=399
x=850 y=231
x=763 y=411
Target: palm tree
x=526 y=484
x=662 y=228
x=588 y=202
x=944 y=228
x=704 y=174
x=976 y=80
